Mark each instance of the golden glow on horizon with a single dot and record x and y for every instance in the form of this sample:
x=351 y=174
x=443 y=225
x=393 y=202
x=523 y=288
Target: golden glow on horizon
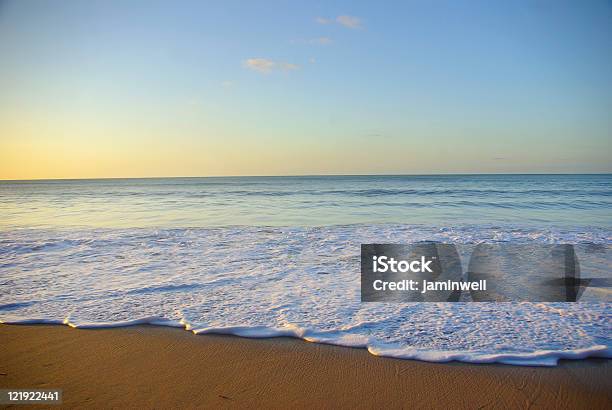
x=60 y=150
x=101 y=90
x=70 y=157
x=39 y=146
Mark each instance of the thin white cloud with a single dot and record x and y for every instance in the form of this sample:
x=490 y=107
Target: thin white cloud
x=313 y=41
x=194 y=102
x=288 y=66
x=265 y=66
x=349 y=21
x=227 y=84
x=320 y=40
x=261 y=65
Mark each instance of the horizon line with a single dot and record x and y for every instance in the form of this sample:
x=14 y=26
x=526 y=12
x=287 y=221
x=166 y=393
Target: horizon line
x=305 y=176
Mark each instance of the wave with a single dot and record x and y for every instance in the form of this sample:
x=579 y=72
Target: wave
x=269 y=282
x=180 y=192
x=535 y=358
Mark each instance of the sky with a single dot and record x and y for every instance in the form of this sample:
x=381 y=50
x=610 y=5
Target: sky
x=207 y=88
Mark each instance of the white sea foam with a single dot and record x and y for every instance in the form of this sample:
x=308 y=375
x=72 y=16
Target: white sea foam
x=296 y=282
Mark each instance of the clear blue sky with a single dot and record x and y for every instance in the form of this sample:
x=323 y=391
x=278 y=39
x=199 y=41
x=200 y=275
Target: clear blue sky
x=142 y=88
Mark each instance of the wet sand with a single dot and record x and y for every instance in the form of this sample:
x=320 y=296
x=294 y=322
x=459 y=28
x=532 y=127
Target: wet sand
x=147 y=366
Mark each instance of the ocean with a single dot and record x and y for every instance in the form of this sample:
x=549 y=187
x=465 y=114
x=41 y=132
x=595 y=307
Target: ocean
x=279 y=256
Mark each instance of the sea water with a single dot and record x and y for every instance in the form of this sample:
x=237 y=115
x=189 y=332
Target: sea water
x=280 y=256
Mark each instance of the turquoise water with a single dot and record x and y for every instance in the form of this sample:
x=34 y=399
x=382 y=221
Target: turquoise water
x=521 y=200
x=264 y=257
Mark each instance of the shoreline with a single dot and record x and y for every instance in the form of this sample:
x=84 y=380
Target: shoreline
x=541 y=358
x=157 y=366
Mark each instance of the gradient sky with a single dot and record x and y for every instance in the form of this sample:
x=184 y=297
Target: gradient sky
x=142 y=88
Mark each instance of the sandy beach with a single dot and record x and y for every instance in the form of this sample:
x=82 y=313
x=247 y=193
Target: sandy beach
x=147 y=366
x=319 y=205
